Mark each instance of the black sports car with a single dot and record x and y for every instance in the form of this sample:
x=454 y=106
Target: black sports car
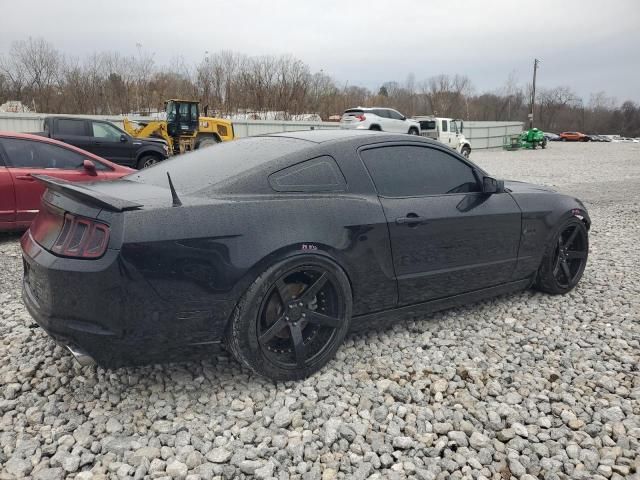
x=277 y=245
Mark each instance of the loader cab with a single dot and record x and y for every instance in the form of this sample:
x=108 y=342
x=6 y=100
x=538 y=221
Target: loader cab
x=182 y=117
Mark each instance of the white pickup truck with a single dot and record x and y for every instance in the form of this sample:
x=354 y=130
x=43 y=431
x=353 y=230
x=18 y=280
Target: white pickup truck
x=445 y=130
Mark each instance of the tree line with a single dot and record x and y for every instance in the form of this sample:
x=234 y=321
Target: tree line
x=34 y=72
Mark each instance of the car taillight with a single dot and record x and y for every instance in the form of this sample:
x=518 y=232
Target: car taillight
x=81 y=238
x=361 y=117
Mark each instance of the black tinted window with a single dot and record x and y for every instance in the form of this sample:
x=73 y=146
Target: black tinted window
x=32 y=154
x=381 y=112
x=317 y=175
x=71 y=127
x=444 y=125
x=395 y=115
x=427 y=124
x=408 y=171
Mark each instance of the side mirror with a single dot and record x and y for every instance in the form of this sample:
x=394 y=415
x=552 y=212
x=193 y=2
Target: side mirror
x=89 y=167
x=404 y=118
x=461 y=126
x=123 y=138
x=491 y=185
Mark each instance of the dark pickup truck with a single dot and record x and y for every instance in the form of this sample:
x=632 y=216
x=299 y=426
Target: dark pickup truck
x=106 y=140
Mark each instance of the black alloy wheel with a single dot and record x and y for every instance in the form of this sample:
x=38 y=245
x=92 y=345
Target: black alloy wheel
x=564 y=264
x=292 y=319
x=300 y=317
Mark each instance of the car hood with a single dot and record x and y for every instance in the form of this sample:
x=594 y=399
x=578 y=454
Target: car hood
x=524 y=187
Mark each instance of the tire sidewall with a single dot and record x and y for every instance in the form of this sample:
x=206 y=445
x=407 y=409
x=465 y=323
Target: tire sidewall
x=207 y=142
x=546 y=281
x=145 y=159
x=242 y=334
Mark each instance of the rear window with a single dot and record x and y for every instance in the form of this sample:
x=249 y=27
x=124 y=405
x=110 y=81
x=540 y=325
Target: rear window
x=223 y=164
x=427 y=124
x=354 y=110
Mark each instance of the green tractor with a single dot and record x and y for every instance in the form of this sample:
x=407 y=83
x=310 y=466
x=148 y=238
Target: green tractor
x=531 y=139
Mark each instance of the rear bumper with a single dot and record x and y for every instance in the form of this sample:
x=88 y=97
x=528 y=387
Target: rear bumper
x=103 y=310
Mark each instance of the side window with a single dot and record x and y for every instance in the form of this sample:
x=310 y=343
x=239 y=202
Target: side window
x=444 y=125
x=381 y=113
x=453 y=127
x=106 y=131
x=33 y=154
x=320 y=174
x=395 y=115
x=71 y=127
x=412 y=171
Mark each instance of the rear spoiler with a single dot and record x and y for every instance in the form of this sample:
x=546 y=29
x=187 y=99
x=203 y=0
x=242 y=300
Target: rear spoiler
x=80 y=192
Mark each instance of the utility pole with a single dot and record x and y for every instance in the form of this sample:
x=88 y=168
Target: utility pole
x=533 y=92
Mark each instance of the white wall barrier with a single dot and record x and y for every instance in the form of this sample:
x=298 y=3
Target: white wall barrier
x=481 y=134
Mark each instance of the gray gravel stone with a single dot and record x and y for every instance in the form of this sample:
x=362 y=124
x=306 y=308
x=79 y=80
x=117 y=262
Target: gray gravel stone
x=219 y=455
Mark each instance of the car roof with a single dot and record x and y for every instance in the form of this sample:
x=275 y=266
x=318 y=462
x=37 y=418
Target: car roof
x=340 y=135
x=39 y=138
x=324 y=135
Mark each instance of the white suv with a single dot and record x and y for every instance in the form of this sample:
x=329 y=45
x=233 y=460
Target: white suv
x=383 y=119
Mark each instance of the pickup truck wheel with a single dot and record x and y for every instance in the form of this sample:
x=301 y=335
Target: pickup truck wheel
x=413 y=131
x=147 y=161
x=466 y=152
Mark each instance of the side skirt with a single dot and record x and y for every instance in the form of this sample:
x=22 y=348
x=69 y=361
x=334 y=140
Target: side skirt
x=409 y=312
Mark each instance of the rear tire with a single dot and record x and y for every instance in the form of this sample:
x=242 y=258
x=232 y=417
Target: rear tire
x=375 y=127
x=147 y=161
x=292 y=319
x=565 y=258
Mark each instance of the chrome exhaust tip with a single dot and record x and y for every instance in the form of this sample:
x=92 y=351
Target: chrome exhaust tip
x=81 y=356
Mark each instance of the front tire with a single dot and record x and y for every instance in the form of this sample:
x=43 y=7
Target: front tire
x=208 y=142
x=292 y=319
x=413 y=131
x=565 y=258
x=147 y=161
x=466 y=152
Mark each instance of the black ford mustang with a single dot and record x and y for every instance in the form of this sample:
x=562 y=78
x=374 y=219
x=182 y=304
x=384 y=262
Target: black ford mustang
x=277 y=245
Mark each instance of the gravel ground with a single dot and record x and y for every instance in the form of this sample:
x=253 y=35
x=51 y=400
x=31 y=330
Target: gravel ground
x=525 y=386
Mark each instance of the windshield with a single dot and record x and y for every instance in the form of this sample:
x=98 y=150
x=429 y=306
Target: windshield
x=220 y=165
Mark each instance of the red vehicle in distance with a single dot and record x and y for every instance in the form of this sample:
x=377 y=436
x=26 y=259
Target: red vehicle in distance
x=574 y=137
x=22 y=155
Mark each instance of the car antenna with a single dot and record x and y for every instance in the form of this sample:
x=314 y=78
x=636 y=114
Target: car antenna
x=174 y=194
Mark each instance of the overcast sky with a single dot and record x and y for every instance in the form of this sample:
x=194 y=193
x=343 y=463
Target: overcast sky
x=587 y=45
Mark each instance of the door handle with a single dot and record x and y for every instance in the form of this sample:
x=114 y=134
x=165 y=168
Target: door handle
x=412 y=220
x=27 y=178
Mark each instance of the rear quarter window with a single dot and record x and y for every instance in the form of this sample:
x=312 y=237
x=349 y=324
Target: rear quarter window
x=320 y=174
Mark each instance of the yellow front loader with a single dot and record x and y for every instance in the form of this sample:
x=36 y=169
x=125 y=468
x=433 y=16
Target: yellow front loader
x=184 y=129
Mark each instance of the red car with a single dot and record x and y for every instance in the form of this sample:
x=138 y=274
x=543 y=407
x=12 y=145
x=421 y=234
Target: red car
x=574 y=137
x=22 y=155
